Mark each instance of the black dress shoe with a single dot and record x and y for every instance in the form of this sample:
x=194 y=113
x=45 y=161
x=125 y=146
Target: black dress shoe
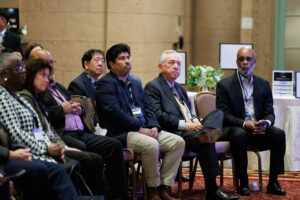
x=209 y=136
x=275 y=188
x=244 y=191
x=183 y=178
x=220 y=195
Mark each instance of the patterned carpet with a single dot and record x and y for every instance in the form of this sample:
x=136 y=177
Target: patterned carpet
x=290 y=182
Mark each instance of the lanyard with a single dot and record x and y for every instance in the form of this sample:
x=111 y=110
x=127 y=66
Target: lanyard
x=243 y=90
x=247 y=113
x=31 y=112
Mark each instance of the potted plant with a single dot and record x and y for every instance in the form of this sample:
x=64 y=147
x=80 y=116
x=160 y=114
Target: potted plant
x=204 y=77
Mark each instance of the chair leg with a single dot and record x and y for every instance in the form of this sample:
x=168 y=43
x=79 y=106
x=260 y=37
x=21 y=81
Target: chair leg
x=222 y=171
x=134 y=193
x=192 y=176
x=179 y=192
x=234 y=177
x=259 y=171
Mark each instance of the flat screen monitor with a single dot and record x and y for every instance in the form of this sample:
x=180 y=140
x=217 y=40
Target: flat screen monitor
x=228 y=52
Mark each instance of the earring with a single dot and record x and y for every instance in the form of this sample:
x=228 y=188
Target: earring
x=5 y=79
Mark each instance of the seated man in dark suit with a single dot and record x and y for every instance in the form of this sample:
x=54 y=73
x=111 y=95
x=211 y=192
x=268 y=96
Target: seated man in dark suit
x=8 y=39
x=84 y=85
x=172 y=107
x=247 y=103
x=64 y=115
x=124 y=110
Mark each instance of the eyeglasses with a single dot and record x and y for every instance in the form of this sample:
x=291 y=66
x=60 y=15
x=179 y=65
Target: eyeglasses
x=241 y=59
x=20 y=67
x=171 y=63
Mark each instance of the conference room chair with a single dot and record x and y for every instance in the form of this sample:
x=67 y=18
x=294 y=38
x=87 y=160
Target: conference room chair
x=205 y=102
x=187 y=156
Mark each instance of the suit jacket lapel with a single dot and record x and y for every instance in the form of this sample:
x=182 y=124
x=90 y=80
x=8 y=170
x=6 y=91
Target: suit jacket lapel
x=88 y=86
x=167 y=90
x=119 y=86
x=238 y=93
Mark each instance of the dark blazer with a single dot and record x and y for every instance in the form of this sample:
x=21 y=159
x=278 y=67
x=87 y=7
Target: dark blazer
x=230 y=100
x=113 y=106
x=82 y=86
x=12 y=41
x=164 y=104
x=56 y=114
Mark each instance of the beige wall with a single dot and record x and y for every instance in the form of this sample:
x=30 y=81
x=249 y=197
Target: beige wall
x=67 y=28
x=217 y=21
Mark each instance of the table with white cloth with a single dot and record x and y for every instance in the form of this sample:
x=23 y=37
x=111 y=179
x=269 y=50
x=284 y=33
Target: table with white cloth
x=287 y=113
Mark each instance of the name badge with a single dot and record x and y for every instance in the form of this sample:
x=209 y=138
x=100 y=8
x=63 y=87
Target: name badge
x=136 y=111
x=38 y=134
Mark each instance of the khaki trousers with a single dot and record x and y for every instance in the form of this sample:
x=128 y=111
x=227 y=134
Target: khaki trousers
x=172 y=145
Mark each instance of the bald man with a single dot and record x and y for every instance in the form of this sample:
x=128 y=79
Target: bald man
x=64 y=115
x=247 y=103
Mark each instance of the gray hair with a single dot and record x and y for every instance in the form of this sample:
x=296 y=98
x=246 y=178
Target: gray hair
x=5 y=58
x=164 y=55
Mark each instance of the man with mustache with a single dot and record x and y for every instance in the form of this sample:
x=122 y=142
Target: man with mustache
x=125 y=112
x=247 y=103
x=172 y=107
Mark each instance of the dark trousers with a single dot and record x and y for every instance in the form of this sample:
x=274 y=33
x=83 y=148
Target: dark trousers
x=91 y=168
x=239 y=138
x=4 y=190
x=42 y=179
x=206 y=152
x=111 y=151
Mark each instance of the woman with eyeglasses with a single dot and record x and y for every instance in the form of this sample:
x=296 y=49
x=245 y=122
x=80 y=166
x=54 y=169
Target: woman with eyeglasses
x=91 y=164
x=23 y=127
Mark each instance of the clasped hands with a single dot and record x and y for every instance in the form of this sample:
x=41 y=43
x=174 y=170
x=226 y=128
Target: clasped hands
x=195 y=125
x=151 y=132
x=57 y=151
x=71 y=107
x=253 y=126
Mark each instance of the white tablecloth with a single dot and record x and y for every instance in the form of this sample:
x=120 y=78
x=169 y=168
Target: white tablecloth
x=287 y=112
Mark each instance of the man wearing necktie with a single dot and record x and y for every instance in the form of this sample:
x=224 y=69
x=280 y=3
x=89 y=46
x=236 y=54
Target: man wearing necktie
x=126 y=113
x=172 y=107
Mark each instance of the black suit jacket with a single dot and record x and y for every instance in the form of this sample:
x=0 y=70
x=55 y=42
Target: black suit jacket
x=12 y=41
x=113 y=106
x=164 y=104
x=82 y=86
x=56 y=114
x=230 y=100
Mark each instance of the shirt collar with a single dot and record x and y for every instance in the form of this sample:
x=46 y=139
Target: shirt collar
x=171 y=85
x=245 y=81
x=91 y=78
x=3 y=32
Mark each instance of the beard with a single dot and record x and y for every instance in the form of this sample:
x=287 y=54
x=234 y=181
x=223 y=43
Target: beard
x=247 y=72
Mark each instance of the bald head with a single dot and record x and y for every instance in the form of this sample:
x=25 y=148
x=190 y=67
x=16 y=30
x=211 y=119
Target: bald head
x=246 y=61
x=40 y=53
x=246 y=50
